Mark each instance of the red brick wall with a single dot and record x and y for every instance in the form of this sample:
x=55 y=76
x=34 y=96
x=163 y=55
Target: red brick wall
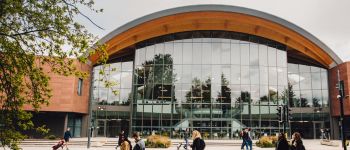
x=64 y=92
x=344 y=70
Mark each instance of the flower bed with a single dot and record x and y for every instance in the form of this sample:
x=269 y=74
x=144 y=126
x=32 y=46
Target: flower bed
x=267 y=141
x=157 y=141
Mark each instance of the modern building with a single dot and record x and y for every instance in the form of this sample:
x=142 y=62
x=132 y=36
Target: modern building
x=213 y=68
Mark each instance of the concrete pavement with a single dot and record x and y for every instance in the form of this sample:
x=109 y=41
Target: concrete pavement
x=215 y=145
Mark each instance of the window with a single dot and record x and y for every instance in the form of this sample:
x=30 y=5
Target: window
x=80 y=86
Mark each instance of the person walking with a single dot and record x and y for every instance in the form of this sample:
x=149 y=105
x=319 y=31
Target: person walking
x=247 y=140
x=67 y=136
x=198 y=142
x=126 y=144
x=186 y=135
x=244 y=142
x=297 y=143
x=282 y=143
x=120 y=138
x=140 y=144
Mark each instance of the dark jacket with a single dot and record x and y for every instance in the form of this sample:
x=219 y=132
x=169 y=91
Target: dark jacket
x=282 y=145
x=120 y=139
x=198 y=144
x=67 y=135
x=245 y=136
x=297 y=145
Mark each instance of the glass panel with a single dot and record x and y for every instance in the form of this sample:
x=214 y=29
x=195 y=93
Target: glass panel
x=325 y=98
x=316 y=80
x=245 y=78
x=293 y=68
x=197 y=53
x=206 y=53
x=305 y=98
x=150 y=53
x=282 y=76
x=216 y=74
x=271 y=53
x=305 y=81
x=235 y=54
x=216 y=50
x=225 y=53
x=159 y=53
x=187 y=53
x=178 y=53
x=254 y=75
x=186 y=74
x=244 y=54
x=226 y=74
x=126 y=66
x=126 y=80
x=281 y=58
x=264 y=75
x=263 y=55
x=304 y=68
x=324 y=80
x=254 y=54
x=169 y=48
x=316 y=98
x=235 y=74
x=272 y=76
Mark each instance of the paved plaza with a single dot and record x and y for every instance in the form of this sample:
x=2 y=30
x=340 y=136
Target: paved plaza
x=309 y=144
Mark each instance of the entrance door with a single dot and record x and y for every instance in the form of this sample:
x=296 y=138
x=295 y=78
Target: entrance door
x=101 y=128
x=111 y=128
x=318 y=125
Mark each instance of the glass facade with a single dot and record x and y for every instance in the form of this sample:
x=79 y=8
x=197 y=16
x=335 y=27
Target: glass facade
x=110 y=111
x=216 y=82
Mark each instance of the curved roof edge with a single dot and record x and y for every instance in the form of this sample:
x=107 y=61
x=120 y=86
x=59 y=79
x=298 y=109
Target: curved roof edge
x=225 y=8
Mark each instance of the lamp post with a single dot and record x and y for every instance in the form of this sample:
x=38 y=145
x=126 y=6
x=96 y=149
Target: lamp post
x=341 y=99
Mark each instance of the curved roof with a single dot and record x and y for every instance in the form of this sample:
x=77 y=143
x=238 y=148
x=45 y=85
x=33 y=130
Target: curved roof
x=304 y=41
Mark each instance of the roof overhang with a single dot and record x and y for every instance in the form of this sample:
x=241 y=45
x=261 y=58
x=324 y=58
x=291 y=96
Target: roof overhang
x=219 y=17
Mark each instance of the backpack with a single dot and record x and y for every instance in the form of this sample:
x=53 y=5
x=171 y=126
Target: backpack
x=201 y=144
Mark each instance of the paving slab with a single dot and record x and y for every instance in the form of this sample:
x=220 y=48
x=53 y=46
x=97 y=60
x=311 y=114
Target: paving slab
x=215 y=145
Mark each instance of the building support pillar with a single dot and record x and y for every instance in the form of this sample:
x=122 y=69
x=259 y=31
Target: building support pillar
x=84 y=126
x=65 y=125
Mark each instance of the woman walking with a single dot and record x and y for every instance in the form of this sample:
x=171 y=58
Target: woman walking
x=297 y=143
x=282 y=143
x=125 y=144
x=198 y=142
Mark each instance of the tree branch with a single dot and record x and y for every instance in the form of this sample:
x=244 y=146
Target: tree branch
x=75 y=7
x=23 y=33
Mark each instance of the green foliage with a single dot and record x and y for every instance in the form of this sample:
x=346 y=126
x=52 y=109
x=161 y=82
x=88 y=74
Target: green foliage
x=34 y=34
x=157 y=141
x=51 y=137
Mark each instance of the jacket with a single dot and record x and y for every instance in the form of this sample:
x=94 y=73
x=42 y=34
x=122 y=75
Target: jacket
x=282 y=145
x=297 y=145
x=198 y=144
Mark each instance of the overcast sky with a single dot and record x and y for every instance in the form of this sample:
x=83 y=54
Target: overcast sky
x=328 y=20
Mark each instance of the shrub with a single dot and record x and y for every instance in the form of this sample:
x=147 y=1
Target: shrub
x=51 y=137
x=267 y=141
x=157 y=141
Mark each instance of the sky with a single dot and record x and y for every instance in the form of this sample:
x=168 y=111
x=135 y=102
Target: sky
x=328 y=20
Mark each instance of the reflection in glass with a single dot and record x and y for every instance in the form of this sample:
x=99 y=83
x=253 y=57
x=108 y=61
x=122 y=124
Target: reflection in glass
x=219 y=83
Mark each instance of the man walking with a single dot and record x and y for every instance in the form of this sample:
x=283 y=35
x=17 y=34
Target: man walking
x=140 y=144
x=67 y=136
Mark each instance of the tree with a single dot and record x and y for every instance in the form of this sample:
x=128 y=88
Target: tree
x=33 y=34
